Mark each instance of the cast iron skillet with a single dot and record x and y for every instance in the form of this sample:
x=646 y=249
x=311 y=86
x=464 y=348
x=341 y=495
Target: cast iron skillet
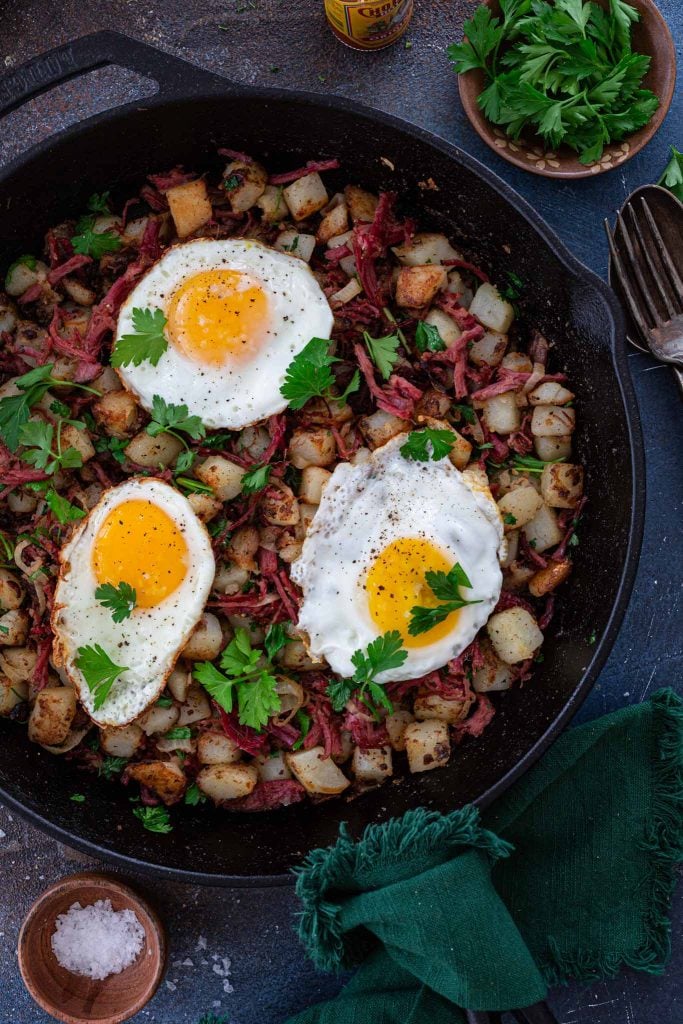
x=192 y=114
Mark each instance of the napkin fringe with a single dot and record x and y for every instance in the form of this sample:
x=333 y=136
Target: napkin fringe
x=664 y=842
x=417 y=835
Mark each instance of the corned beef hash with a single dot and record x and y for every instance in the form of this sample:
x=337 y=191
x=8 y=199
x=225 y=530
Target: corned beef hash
x=287 y=492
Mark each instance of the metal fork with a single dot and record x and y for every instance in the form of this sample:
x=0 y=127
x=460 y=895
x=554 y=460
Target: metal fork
x=649 y=278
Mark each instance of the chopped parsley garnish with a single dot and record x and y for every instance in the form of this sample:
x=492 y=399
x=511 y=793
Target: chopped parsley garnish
x=592 y=638
x=77 y=798
x=423 y=445
x=574 y=540
x=256 y=478
x=99 y=202
x=465 y=412
x=164 y=701
x=446 y=588
x=168 y=418
x=99 y=672
x=527 y=464
x=303 y=720
x=38 y=437
x=275 y=639
x=88 y=242
x=383 y=352
x=509 y=519
x=185 y=461
x=181 y=732
x=217 y=441
x=154 y=819
x=187 y=483
x=232 y=182
x=115 y=446
x=383 y=653
x=309 y=375
x=565 y=71
x=428 y=339
x=247 y=679
x=112 y=766
x=514 y=287
x=120 y=600
x=61 y=508
x=147 y=344
x=194 y=795
x=672 y=178
x=15 y=410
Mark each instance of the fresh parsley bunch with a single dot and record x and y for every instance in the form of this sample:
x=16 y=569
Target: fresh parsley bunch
x=382 y=654
x=561 y=69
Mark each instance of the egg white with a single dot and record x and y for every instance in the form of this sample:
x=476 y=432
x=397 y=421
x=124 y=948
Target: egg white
x=364 y=508
x=237 y=395
x=150 y=640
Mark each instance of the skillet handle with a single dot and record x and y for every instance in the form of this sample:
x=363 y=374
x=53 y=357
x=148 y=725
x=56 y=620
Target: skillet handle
x=95 y=51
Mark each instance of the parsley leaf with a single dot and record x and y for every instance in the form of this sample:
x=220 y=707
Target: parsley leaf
x=304 y=723
x=383 y=352
x=99 y=202
x=154 y=819
x=99 y=671
x=168 y=418
x=509 y=519
x=112 y=766
x=94 y=243
x=185 y=461
x=246 y=678
x=38 y=436
x=428 y=339
x=672 y=178
x=426 y=444
x=256 y=478
x=147 y=344
x=61 y=508
x=484 y=34
x=276 y=638
x=194 y=795
x=182 y=732
x=15 y=410
x=465 y=412
x=115 y=446
x=119 y=600
x=309 y=375
x=77 y=798
x=339 y=691
x=446 y=588
x=381 y=655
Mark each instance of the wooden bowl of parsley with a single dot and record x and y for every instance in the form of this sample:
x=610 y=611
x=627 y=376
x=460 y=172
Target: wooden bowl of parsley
x=566 y=88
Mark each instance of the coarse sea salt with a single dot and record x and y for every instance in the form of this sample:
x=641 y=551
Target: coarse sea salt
x=96 y=941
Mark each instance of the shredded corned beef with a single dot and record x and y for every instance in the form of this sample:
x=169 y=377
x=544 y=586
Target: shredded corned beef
x=561 y=550
x=277 y=428
x=312 y=166
x=72 y=264
x=339 y=252
x=508 y=380
x=538 y=348
x=398 y=397
x=285 y=735
x=247 y=739
x=509 y=600
x=472 y=267
x=153 y=198
x=546 y=616
x=364 y=732
x=269 y=795
x=477 y=720
x=170 y=179
x=325 y=725
x=31 y=294
x=500 y=451
x=521 y=441
x=530 y=554
x=41 y=668
x=235 y=154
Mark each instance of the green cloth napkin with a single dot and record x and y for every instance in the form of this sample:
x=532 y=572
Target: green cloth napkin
x=568 y=875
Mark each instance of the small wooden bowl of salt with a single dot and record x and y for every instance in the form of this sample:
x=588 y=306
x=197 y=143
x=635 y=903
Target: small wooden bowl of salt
x=91 y=950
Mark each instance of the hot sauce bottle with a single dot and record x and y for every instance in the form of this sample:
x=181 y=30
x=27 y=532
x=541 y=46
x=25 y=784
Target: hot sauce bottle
x=369 y=24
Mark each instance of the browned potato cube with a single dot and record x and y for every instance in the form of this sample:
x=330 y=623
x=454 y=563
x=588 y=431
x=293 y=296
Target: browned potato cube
x=306 y=196
x=428 y=745
x=190 y=207
x=164 y=778
x=244 y=184
x=417 y=286
x=118 y=412
x=562 y=485
x=52 y=715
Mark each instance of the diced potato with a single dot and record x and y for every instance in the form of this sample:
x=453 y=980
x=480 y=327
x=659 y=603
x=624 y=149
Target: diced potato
x=230 y=579
x=491 y=310
x=21 y=276
x=461 y=450
x=546 y=580
x=272 y=767
x=52 y=715
x=152 y=452
x=428 y=745
x=169 y=745
x=372 y=766
x=22 y=502
x=14 y=626
x=543 y=531
x=396 y=724
x=501 y=413
x=313 y=481
x=79 y=292
x=361 y=204
x=562 y=485
x=190 y=207
x=517 y=575
x=444 y=709
x=312 y=447
x=306 y=516
x=244 y=184
x=344 y=239
x=221 y=475
x=494 y=675
x=514 y=634
x=279 y=506
x=165 y=778
x=445 y=325
x=18 y=663
x=273 y=205
x=512 y=542
x=254 y=442
x=433 y=403
x=157 y=720
x=334 y=222
x=8 y=314
x=118 y=413
x=549 y=448
x=217 y=748
x=425 y=247
x=195 y=708
x=519 y=506
x=289 y=549
x=518 y=362
x=296 y=243
x=179 y=682
x=11 y=591
x=223 y=782
x=134 y=231
x=552 y=421
x=242 y=548
x=206 y=642
x=295 y=656
x=381 y=426
x=107 y=381
x=315 y=772
x=11 y=694
x=347 y=748
x=204 y=506
x=122 y=742
x=551 y=392
x=306 y=196
x=351 y=289
x=79 y=440
x=489 y=350
x=457 y=286
x=417 y=286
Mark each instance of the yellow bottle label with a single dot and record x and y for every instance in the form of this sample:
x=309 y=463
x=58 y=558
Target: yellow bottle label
x=367 y=24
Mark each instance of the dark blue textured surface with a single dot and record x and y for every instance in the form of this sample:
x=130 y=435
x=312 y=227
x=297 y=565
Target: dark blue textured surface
x=245 y=41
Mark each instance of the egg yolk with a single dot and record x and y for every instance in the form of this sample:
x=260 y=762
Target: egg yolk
x=139 y=544
x=396 y=584
x=218 y=316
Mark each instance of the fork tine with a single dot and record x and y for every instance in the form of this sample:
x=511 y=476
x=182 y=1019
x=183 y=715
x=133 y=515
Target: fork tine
x=635 y=268
x=663 y=252
x=626 y=285
x=653 y=260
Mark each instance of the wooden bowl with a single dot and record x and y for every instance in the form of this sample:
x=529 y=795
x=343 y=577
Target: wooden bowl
x=651 y=35
x=74 y=999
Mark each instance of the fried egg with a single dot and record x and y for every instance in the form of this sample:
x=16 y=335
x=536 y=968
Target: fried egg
x=236 y=314
x=381 y=525
x=145 y=533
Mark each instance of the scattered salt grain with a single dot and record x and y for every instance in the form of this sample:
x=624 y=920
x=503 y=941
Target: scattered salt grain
x=96 y=941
